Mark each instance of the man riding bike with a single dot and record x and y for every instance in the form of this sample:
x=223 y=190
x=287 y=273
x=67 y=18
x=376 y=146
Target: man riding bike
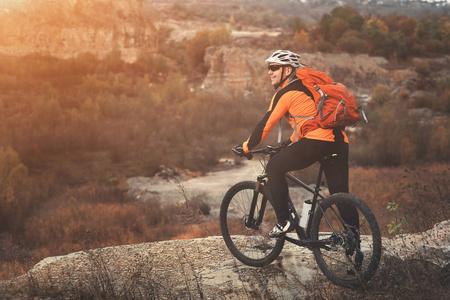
x=293 y=101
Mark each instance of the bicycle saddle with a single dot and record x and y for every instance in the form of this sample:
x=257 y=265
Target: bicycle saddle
x=328 y=157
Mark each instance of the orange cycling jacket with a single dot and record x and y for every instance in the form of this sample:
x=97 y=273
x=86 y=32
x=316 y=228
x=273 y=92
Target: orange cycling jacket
x=295 y=103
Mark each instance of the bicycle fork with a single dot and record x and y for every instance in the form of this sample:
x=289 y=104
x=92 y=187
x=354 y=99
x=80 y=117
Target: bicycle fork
x=250 y=222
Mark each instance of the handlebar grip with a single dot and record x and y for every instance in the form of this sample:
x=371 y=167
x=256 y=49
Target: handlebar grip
x=238 y=150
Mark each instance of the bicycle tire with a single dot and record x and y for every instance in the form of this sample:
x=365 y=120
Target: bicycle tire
x=340 y=264
x=251 y=246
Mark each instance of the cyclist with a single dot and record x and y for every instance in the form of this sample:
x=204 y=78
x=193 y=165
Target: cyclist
x=294 y=102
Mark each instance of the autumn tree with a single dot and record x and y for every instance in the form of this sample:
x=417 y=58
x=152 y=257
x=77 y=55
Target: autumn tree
x=14 y=192
x=196 y=48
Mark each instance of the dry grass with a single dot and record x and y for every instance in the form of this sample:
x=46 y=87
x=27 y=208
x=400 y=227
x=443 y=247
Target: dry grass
x=422 y=192
x=192 y=231
x=396 y=279
x=10 y=269
x=93 y=216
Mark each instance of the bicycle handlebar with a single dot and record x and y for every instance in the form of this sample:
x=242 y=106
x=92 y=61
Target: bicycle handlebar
x=268 y=150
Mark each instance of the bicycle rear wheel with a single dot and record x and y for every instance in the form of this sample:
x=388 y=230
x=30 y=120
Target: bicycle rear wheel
x=246 y=234
x=352 y=254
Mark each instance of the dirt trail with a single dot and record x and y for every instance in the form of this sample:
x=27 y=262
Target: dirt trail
x=211 y=187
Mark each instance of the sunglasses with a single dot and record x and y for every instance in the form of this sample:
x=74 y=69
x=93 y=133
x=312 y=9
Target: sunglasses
x=274 y=68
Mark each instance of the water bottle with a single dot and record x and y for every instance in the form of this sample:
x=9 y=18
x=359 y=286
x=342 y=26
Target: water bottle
x=305 y=213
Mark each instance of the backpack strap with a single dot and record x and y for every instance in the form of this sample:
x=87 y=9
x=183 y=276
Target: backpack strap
x=298 y=85
x=295 y=128
x=255 y=137
x=323 y=97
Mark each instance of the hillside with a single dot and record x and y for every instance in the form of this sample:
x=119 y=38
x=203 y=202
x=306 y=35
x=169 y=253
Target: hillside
x=66 y=29
x=204 y=269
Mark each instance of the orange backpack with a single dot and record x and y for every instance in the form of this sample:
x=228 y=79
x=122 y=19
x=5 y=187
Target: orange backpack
x=336 y=106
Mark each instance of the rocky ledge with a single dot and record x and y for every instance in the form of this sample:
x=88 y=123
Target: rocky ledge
x=198 y=269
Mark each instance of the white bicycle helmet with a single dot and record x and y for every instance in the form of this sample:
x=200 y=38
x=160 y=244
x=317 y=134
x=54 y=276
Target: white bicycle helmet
x=285 y=57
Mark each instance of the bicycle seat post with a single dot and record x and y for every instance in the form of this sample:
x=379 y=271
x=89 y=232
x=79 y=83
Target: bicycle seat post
x=319 y=180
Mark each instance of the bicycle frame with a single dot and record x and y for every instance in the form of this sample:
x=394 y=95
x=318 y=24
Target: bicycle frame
x=303 y=239
x=350 y=259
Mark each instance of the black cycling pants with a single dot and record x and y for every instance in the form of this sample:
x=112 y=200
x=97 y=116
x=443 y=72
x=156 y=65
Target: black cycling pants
x=301 y=155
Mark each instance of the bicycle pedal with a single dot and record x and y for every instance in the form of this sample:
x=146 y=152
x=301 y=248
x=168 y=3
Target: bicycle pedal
x=350 y=271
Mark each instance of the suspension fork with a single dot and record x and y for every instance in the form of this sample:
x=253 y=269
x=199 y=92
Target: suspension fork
x=260 y=184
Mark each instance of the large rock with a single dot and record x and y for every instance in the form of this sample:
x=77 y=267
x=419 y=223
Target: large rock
x=235 y=68
x=432 y=245
x=69 y=27
x=191 y=269
x=199 y=268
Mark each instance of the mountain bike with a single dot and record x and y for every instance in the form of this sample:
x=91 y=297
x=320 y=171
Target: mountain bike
x=348 y=255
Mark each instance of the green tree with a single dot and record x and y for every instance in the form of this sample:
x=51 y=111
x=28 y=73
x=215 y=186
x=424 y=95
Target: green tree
x=349 y=15
x=196 y=48
x=195 y=51
x=399 y=46
x=332 y=26
x=337 y=29
x=351 y=42
x=322 y=31
x=407 y=26
x=375 y=32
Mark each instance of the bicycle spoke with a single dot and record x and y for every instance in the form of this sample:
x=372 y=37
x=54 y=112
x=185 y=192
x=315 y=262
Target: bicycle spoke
x=246 y=235
x=253 y=245
x=354 y=250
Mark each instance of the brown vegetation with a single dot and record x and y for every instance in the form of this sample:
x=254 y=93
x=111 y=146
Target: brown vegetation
x=421 y=192
x=343 y=29
x=70 y=130
x=74 y=127
x=396 y=279
x=400 y=131
x=393 y=36
x=93 y=216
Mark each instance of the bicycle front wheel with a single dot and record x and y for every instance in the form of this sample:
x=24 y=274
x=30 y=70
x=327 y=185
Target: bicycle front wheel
x=352 y=248
x=246 y=218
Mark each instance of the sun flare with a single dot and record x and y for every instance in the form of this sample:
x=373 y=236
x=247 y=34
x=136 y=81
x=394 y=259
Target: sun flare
x=10 y=3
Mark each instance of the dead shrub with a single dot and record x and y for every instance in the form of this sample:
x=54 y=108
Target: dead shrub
x=94 y=192
x=198 y=203
x=395 y=279
x=9 y=269
x=16 y=189
x=420 y=191
x=201 y=230
x=90 y=224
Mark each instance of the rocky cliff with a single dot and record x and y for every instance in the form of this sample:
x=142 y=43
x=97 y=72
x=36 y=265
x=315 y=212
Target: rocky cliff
x=239 y=68
x=67 y=28
x=204 y=269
